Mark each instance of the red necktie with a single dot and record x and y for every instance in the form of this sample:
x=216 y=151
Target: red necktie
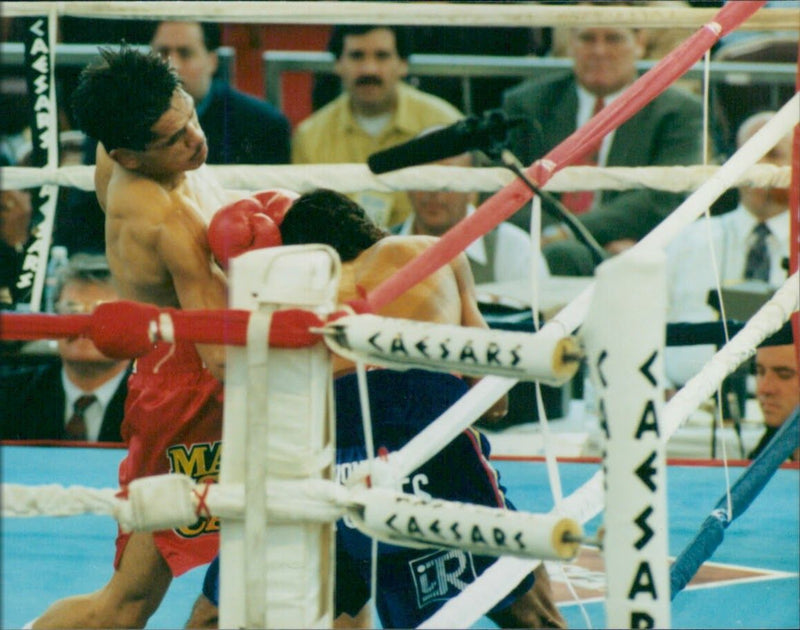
x=76 y=427
x=579 y=201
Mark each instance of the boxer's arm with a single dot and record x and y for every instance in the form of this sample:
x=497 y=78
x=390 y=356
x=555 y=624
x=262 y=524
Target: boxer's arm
x=199 y=283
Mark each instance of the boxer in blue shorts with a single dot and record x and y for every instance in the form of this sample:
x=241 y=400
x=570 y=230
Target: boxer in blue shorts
x=412 y=583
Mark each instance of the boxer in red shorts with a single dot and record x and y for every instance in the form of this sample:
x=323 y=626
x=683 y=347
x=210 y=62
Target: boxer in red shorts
x=171 y=382
x=149 y=142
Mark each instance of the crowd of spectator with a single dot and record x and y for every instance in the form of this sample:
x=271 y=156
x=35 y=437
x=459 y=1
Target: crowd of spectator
x=77 y=393
x=372 y=101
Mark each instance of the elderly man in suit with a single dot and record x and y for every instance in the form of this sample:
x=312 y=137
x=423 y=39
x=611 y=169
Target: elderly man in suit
x=82 y=396
x=665 y=132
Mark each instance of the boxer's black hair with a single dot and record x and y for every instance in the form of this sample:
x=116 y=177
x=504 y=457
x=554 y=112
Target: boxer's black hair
x=328 y=217
x=118 y=100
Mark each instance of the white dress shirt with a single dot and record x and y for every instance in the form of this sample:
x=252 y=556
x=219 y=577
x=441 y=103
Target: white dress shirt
x=690 y=274
x=93 y=416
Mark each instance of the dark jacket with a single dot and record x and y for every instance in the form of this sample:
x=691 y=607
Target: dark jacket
x=666 y=132
x=32 y=406
x=241 y=129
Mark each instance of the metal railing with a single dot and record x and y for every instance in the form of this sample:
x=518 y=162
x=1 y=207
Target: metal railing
x=12 y=55
x=467 y=67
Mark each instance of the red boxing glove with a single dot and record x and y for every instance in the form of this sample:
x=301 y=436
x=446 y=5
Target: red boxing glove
x=276 y=202
x=240 y=227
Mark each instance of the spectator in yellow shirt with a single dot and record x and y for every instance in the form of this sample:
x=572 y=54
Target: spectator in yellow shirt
x=375 y=111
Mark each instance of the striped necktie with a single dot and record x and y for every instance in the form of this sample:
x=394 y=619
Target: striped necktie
x=76 y=427
x=757 y=264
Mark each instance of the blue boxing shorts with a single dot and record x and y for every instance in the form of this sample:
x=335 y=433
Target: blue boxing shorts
x=412 y=583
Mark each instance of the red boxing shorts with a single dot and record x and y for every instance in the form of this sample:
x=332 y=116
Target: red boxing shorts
x=173 y=424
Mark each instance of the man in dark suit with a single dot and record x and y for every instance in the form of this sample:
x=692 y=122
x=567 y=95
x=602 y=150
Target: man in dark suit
x=239 y=128
x=666 y=132
x=82 y=396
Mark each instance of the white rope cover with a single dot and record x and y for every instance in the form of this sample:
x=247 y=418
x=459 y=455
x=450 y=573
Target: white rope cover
x=434 y=13
x=403 y=344
x=275 y=573
x=624 y=336
x=358 y=178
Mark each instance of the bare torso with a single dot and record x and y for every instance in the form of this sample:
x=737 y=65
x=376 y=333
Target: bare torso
x=156 y=243
x=138 y=212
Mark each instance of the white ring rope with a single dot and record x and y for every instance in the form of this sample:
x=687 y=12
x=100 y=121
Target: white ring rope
x=357 y=177
x=767 y=320
x=174 y=500
x=433 y=13
x=585 y=503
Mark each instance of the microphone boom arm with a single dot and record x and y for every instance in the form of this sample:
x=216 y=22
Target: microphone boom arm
x=555 y=208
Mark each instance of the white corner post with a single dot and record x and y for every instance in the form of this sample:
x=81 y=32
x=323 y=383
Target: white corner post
x=277 y=426
x=624 y=334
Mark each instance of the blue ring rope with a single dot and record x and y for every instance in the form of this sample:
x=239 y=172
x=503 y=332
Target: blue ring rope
x=743 y=492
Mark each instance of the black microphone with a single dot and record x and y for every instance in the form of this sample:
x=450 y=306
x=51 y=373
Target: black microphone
x=488 y=133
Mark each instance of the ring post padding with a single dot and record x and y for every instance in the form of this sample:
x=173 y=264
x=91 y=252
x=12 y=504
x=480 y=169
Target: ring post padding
x=415 y=521
x=290 y=404
x=400 y=343
x=624 y=336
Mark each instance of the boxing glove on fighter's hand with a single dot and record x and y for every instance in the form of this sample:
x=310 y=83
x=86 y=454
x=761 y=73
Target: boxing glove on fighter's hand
x=240 y=227
x=276 y=202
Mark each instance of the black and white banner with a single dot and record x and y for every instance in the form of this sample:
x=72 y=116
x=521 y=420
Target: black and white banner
x=40 y=78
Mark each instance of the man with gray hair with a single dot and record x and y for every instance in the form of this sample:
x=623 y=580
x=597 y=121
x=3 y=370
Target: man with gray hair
x=750 y=243
x=81 y=397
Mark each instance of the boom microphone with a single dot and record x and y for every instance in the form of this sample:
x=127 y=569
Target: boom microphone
x=488 y=133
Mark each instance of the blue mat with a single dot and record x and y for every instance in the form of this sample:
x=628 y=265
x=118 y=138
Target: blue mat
x=44 y=559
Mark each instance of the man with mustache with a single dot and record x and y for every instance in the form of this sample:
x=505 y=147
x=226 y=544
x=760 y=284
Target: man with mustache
x=375 y=111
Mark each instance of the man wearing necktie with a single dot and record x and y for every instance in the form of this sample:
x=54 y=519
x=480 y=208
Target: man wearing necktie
x=666 y=132
x=81 y=397
x=757 y=265
x=750 y=243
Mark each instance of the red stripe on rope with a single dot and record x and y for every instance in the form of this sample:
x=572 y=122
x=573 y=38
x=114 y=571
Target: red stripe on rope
x=508 y=200
x=126 y=329
x=31 y=326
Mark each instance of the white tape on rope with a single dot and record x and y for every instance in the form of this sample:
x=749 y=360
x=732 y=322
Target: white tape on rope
x=408 y=519
x=401 y=343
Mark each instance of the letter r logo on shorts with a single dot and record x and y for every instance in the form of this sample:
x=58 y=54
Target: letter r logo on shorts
x=441 y=575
